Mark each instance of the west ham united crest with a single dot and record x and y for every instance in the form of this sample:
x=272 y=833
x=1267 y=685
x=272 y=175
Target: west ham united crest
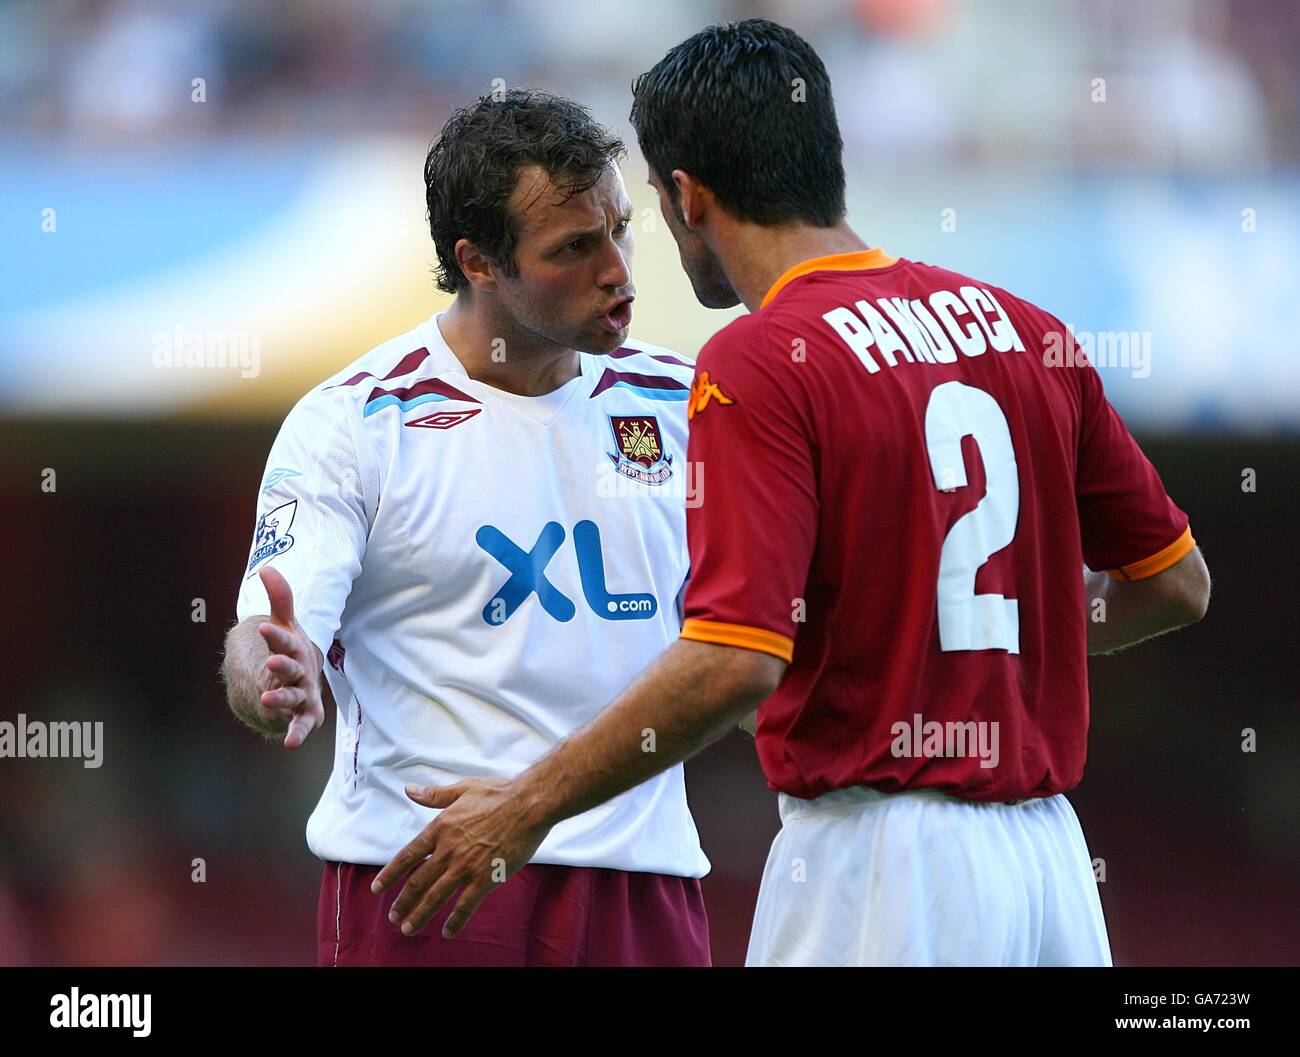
x=640 y=445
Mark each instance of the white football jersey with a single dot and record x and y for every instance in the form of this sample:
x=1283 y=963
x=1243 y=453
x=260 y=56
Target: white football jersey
x=484 y=573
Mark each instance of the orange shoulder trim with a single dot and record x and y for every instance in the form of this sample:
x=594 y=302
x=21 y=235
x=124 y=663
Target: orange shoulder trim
x=759 y=639
x=1158 y=562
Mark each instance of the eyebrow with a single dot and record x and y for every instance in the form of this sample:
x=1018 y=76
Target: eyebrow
x=579 y=233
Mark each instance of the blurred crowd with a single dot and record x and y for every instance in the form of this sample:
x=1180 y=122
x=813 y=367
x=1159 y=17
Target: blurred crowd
x=1166 y=84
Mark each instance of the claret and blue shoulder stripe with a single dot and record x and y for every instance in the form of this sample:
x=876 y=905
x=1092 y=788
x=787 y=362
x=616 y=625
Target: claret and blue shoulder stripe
x=424 y=392
x=405 y=365
x=661 y=356
x=649 y=386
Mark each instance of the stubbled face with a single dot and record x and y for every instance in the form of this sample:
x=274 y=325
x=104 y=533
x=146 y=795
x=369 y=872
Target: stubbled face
x=708 y=280
x=574 y=258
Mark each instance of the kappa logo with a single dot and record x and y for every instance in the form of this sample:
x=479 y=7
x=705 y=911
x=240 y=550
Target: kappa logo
x=272 y=536
x=702 y=391
x=640 y=454
x=443 y=419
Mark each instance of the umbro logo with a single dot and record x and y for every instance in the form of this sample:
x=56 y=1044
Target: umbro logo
x=443 y=419
x=280 y=473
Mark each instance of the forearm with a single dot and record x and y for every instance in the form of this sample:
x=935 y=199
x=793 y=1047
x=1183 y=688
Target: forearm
x=691 y=696
x=245 y=657
x=1121 y=614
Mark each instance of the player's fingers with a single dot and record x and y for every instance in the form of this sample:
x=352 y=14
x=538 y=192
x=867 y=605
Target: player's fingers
x=268 y=680
x=405 y=860
x=285 y=699
x=425 y=875
x=437 y=795
x=465 y=907
x=302 y=724
x=442 y=890
x=278 y=639
x=287 y=670
x=280 y=595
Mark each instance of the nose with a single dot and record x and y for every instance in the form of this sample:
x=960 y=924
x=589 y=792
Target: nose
x=616 y=264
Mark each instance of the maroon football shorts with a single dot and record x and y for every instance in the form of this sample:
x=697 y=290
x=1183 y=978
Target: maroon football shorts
x=544 y=915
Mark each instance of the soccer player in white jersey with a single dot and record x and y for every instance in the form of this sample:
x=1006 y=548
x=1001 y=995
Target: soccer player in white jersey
x=472 y=538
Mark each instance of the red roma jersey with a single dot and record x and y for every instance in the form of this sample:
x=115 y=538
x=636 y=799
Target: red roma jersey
x=899 y=474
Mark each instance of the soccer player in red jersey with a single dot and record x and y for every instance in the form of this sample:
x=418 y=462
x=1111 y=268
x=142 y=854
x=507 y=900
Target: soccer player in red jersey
x=904 y=470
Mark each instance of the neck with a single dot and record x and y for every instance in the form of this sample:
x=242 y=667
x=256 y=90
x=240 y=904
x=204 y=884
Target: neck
x=496 y=351
x=758 y=255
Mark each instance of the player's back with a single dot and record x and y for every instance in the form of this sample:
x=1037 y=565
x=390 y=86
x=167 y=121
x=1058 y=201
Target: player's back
x=940 y=462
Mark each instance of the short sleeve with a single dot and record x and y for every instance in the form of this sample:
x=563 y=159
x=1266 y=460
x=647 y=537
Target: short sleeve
x=313 y=517
x=1129 y=525
x=753 y=531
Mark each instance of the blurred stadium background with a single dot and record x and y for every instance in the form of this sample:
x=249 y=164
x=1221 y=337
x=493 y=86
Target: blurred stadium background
x=253 y=171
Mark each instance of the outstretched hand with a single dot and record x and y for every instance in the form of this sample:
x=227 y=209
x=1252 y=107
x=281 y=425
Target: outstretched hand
x=290 y=678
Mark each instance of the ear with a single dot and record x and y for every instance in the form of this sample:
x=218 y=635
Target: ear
x=478 y=269
x=693 y=198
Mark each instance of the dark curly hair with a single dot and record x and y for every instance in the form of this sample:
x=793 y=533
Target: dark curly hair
x=746 y=108
x=472 y=167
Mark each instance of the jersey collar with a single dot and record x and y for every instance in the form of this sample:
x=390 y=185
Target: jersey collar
x=543 y=409
x=858 y=260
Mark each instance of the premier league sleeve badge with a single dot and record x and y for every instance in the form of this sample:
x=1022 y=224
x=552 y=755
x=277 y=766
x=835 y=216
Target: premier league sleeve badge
x=272 y=536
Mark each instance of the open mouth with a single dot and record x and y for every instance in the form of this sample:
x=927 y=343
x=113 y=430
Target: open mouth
x=620 y=316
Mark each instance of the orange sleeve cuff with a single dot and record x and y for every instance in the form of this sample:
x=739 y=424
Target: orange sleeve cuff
x=1158 y=562
x=740 y=635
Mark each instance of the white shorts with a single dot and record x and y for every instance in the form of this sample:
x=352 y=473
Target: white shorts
x=857 y=877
